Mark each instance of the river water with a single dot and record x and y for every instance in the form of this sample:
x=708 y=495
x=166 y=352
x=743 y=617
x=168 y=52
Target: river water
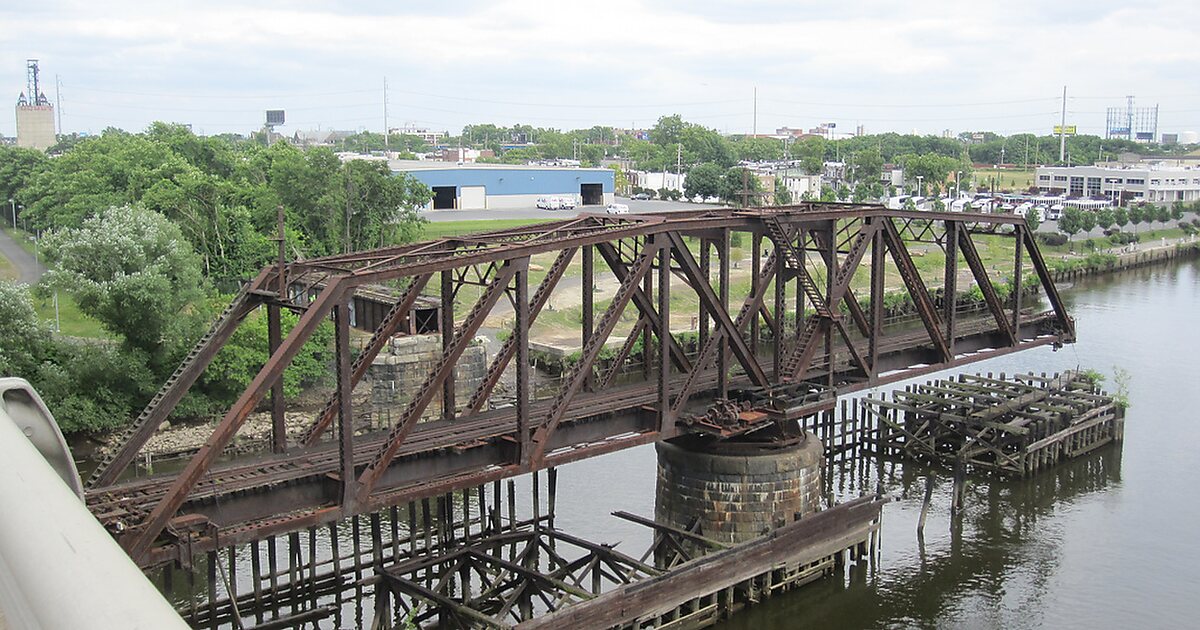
x=1107 y=541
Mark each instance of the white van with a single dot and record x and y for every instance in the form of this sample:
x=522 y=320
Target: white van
x=616 y=208
x=548 y=203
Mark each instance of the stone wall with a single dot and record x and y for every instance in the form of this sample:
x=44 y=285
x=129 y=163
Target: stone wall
x=402 y=367
x=737 y=497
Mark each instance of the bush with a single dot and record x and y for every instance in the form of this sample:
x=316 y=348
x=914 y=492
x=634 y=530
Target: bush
x=1052 y=238
x=1123 y=238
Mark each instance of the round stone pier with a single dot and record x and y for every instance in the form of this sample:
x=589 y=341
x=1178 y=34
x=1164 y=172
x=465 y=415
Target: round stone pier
x=737 y=491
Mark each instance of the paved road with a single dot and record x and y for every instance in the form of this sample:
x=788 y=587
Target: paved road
x=549 y=215
x=29 y=270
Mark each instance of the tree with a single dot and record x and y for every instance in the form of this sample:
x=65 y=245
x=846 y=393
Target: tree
x=1087 y=221
x=1071 y=222
x=704 y=181
x=1120 y=218
x=783 y=196
x=741 y=187
x=17 y=167
x=828 y=193
x=1033 y=220
x=132 y=270
x=1136 y=215
x=866 y=166
x=812 y=155
x=88 y=386
x=1105 y=218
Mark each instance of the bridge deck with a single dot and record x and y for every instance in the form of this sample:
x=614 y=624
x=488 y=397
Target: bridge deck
x=259 y=496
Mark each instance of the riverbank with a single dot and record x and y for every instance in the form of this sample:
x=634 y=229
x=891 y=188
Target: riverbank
x=1100 y=264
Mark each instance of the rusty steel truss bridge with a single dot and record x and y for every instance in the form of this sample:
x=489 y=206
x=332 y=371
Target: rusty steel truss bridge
x=801 y=333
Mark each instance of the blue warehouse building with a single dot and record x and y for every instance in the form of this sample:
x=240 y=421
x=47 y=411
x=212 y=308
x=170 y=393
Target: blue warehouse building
x=496 y=186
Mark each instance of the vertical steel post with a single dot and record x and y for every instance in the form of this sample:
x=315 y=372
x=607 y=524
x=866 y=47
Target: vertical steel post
x=521 y=326
x=877 y=291
x=780 y=311
x=1018 y=242
x=589 y=310
x=831 y=266
x=950 y=285
x=705 y=267
x=723 y=293
x=447 y=326
x=341 y=324
x=755 y=285
x=274 y=339
x=666 y=425
x=647 y=351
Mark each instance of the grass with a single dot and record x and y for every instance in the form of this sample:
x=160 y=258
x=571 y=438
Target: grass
x=7 y=270
x=1006 y=179
x=443 y=229
x=74 y=323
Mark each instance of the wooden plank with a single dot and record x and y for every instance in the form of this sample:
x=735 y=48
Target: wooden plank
x=802 y=542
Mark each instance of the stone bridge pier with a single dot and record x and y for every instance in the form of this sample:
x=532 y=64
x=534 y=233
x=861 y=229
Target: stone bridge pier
x=732 y=492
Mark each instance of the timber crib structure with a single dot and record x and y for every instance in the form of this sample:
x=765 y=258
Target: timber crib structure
x=1014 y=425
x=802 y=330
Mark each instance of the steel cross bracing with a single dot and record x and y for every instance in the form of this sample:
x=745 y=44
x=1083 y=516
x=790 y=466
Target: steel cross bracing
x=798 y=296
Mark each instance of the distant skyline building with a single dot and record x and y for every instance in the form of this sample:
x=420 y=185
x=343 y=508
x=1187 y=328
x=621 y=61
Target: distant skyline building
x=35 y=114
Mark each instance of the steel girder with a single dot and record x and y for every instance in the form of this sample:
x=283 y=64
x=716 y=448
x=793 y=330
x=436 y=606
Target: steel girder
x=631 y=246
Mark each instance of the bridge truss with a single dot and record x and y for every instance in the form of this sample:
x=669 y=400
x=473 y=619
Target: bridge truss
x=801 y=320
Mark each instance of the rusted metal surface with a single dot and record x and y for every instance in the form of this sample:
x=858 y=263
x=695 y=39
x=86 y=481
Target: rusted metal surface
x=818 y=250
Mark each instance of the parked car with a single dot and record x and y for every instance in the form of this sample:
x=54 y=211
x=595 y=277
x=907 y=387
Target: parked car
x=641 y=197
x=566 y=202
x=616 y=208
x=548 y=203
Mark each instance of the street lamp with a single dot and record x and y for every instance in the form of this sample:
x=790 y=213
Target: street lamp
x=13 y=203
x=920 y=186
x=958 y=184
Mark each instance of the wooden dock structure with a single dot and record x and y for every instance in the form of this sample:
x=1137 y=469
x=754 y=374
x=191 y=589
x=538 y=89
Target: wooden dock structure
x=1013 y=426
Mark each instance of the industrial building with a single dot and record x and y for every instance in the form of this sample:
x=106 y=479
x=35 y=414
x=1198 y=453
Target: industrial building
x=1122 y=183
x=35 y=114
x=497 y=186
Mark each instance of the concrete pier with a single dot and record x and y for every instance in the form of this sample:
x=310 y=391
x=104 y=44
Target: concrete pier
x=734 y=492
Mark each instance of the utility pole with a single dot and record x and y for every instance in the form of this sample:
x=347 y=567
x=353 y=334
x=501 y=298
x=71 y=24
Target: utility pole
x=386 y=143
x=1062 y=129
x=755 y=127
x=58 y=109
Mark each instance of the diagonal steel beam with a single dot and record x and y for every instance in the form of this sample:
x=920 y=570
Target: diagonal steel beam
x=379 y=340
x=626 y=348
x=445 y=366
x=142 y=538
x=985 y=284
x=157 y=410
x=916 y=288
x=752 y=306
x=507 y=351
x=645 y=304
x=1065 y=321
x=731 y=332
x=574 y=381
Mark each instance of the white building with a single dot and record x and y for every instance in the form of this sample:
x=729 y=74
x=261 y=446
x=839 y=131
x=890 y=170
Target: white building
x=427 y=135
x=1122 y=183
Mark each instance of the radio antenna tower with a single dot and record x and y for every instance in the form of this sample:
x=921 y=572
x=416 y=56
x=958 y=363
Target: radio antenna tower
x=36 y=97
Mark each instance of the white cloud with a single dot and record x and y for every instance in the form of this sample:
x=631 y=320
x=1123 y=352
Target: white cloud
x=617 y=62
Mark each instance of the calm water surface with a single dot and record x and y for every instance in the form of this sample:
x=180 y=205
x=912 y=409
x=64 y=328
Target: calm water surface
x=1108 y=541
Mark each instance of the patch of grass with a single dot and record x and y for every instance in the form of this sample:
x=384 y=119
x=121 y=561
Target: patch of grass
x=443 y=229
x=7 y=270
x=1006 y=179
x=74 y=322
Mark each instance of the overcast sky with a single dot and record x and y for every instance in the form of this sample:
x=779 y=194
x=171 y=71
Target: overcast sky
x=890 y=66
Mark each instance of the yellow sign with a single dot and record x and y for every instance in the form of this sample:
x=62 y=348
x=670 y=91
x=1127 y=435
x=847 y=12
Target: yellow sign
x=1058 y=129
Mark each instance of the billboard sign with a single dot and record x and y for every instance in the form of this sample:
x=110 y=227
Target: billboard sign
x=275 y=117
x=1070 y=130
